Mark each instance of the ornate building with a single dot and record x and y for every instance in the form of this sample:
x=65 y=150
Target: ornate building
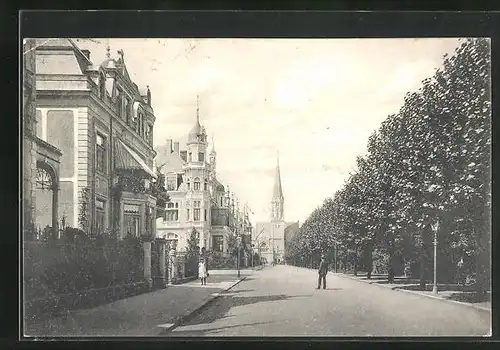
x=197 y=199
x=271 y=237
x=103 y=124
x=40 y=159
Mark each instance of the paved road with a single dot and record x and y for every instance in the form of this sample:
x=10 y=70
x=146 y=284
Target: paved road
x=283 y=301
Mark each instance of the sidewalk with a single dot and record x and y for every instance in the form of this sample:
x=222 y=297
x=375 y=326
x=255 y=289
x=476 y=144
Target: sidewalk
x=246 y=271
x=148 y=314
x=412 y=287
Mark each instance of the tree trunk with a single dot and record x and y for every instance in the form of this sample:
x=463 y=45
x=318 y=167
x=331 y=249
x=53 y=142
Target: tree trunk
x=355 y=263
x=369 y=262
x=482 y=285
x=390 y=268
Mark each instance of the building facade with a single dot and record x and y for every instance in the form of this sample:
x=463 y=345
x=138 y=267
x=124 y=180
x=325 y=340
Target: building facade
x=197 y=199
x=103 y=124
x=270 y=237
x=40 y=159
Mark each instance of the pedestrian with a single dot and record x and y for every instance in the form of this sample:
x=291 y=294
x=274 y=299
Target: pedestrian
x=322 y=271
x=202 y=272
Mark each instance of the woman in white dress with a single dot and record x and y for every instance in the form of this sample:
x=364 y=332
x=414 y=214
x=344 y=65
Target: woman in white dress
x=202 y=272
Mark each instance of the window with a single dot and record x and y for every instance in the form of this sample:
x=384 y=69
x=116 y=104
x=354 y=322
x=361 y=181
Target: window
x=188 y=185
x=171 y=183
x=196 y=183
x=119 y=102
x=184 y=155
x=205 y=186
x=196 y=211
x=201 y=157
x=141 y=125
x=190 y=158
x=131 y=218
x=43 y=179
x=221 y=202
x=129 y=111
x=102 y=86
x=187 y=215
x=100 y=153
x=149 y=133
x=218 y=244
x=205 y=216
x=100 y=216
x=172 y=212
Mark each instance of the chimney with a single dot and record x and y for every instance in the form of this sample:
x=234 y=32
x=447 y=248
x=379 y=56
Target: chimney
x=176 y=147
x=169 y=146
x=86 y=53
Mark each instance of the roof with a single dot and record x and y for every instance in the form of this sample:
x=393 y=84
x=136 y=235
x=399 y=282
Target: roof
x=220 y=187
x=60 y=56
x=195 y=131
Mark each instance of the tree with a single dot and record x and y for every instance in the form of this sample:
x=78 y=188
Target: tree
x=83 y=215
x=429 y=162
x=192 y=252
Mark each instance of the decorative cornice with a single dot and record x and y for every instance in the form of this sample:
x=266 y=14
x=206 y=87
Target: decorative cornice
x=47 y=145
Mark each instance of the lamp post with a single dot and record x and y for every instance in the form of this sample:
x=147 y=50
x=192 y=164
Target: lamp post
x=335 y=256
x=435 y=228
x=252 y=253
x=239 y=247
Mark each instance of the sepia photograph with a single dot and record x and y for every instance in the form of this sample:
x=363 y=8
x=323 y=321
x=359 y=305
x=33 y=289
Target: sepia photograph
x=218 y=187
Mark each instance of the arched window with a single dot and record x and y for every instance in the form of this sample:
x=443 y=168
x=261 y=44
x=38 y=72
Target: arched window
x=206 y=185
x=43 y=179
x=196 y=183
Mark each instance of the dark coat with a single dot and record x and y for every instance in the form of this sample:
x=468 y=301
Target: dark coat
x=323 y=268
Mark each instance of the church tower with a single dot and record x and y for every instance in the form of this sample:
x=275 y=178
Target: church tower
x=277 y=202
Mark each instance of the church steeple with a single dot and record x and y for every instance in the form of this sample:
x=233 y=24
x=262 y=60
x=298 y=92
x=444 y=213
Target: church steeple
x=278 y=200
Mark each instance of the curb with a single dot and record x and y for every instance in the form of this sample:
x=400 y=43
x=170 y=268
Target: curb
x=176 y=322
x=479 y=308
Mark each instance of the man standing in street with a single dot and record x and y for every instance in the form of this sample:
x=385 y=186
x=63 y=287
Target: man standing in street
x=322 y=271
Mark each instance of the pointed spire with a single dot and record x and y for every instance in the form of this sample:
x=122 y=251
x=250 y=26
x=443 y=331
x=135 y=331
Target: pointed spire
x=277 y=190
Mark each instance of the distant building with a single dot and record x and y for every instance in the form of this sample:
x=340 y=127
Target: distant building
x=270 y=237
x=197 y=199
x=103 y=124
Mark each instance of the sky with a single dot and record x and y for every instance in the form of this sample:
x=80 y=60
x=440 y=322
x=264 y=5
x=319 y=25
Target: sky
x=316 y=101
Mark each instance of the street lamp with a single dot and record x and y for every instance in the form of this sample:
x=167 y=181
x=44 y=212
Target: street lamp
x=335 y=257
x=435 y=228
x=253 y=253
x=239 y=247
